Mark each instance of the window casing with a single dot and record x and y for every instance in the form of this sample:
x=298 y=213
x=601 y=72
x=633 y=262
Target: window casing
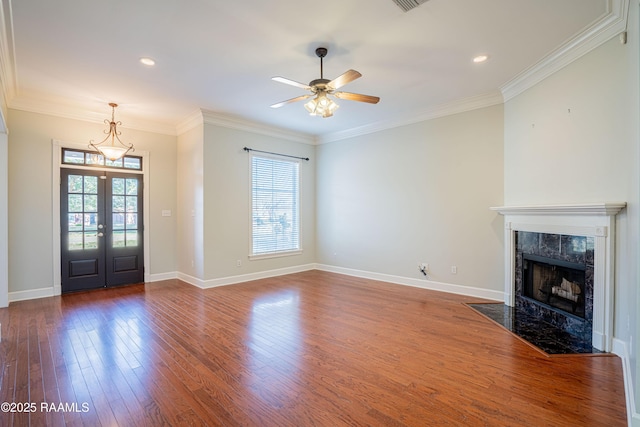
x=275 y=214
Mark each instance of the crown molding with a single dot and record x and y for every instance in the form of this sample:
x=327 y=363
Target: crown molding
x=8 y=82
x=234 y=122
x=87 y=113
x=610 y=24
x=192 y=121
x=460 y=106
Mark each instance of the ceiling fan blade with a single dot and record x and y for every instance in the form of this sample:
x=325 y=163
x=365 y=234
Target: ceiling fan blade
x=291 y=82
x=357 y=97
x=346 y=77
x=288 y=101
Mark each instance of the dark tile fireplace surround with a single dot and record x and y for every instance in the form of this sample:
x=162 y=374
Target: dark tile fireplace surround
x=571 y=260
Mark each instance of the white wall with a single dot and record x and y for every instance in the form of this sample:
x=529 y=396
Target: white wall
x=227 y=188
x=190 y=214
x=4 y=221
x=573 y=138
x=419 y=193
x=30 y=199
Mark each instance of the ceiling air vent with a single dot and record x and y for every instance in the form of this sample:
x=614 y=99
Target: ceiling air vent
x=407 y=5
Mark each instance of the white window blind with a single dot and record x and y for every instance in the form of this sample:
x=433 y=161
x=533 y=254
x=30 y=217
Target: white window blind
x=274 y=206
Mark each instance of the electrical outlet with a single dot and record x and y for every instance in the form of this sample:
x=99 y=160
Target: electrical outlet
x=454 y=269
x=239 y=263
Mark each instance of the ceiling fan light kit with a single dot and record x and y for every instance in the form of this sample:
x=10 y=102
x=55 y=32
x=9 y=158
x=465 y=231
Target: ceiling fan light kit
x=322 y=105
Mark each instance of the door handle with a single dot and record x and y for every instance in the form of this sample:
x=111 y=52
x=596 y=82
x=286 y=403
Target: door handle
x=100 y=234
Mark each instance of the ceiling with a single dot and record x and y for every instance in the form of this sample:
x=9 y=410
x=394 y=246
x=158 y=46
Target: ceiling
x=73 y=57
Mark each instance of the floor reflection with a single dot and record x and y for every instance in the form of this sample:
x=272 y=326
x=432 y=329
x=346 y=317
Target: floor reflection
x=109 y=342
x=275 y=339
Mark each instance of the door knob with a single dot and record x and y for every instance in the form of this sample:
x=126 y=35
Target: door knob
x=100 y=226
x=100 y=234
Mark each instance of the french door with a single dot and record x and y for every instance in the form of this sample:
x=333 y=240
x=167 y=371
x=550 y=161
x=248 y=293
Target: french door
x=101 y=229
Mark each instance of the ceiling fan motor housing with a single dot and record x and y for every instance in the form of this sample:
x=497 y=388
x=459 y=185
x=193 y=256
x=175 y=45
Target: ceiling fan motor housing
x=321 y=52
x=319 y=84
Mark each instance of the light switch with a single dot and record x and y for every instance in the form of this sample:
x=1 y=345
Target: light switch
x=166 y=212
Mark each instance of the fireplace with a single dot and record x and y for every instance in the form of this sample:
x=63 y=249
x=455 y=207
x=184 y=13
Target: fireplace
x=570 y=248
x=554 y=280
x=559 y=285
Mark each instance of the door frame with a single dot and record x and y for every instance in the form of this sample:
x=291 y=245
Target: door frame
x=57 y=147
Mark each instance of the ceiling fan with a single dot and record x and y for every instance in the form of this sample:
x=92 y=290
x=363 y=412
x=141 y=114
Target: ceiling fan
x=322 y=105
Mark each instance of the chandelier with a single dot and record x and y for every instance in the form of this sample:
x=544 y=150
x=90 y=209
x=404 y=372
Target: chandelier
x=116 y=149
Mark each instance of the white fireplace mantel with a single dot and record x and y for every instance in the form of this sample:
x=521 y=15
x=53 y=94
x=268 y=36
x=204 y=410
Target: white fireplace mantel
x=594 y=219
x=598 y=209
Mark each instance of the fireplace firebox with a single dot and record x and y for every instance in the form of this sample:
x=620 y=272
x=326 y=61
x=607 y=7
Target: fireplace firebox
x=560 y=285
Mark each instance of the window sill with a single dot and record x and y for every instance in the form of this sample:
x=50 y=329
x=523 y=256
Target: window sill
x=275 y=254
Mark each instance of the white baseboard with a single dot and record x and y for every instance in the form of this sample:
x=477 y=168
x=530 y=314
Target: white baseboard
x=417 y=283
x=620 y=348
x=149 y=278
x=230 y=280
x=31 y=294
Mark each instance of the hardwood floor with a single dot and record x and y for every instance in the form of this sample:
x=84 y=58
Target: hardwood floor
x=307 y=349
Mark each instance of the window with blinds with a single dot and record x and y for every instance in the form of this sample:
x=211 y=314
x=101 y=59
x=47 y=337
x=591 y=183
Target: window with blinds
x=275 y=218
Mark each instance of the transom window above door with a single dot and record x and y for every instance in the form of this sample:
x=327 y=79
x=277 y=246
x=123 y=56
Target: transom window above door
x=91 y=158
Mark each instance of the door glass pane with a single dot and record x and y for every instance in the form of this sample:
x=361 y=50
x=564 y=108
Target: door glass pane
x=91 y=240
x=90 y=203
x=94 y=159
x=117 y=186
x=132 y=238
x=114 y=163
x=117 y=204
x=75 y=184
x=76 y=157
x=75 y=203
x=91 y=221
x=132 y=163
x=75 y=241
x=118 y=238
x=91 y=184
x=132 y=221
x=75 y=222
x=132 y=204
x=82 y=212
x=132 y=187
x=117 y=222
